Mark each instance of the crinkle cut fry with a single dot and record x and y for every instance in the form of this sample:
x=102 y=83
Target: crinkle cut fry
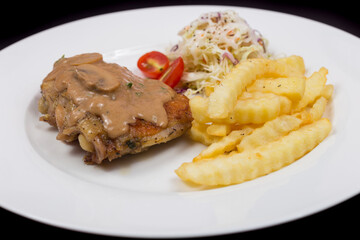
x=223 y=99
x=263 y=160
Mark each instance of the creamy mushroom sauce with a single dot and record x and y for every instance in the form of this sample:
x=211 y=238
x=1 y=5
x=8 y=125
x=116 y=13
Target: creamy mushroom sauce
x=109 y=91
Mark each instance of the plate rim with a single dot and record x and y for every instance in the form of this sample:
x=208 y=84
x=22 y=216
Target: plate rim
x=104 y=15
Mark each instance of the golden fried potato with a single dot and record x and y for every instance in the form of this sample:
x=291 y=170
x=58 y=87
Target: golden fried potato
x=223 y=100
x=290 y=87
x=248 y=165
x=251 y=108
x=318 y=109
x=327 y=91
x=313 y=88
x=219 y=130
x=199 y=134
x=199 y=106
x=292 y=66
x=226 y=144
x=263 y=116
x=270 y=131
x=260 y=107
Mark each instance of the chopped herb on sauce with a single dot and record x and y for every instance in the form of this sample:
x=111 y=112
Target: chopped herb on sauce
x=62 y=57
x=131 y=144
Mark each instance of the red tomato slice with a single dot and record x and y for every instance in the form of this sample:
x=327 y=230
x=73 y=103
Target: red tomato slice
x=173 y=74
x=153 y=64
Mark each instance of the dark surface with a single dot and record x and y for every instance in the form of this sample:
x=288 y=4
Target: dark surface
x=22 y=19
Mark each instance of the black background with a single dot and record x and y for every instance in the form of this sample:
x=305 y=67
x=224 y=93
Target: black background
x=21 y=19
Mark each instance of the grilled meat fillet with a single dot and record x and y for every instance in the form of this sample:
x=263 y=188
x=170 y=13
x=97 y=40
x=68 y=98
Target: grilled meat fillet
x=111 y=111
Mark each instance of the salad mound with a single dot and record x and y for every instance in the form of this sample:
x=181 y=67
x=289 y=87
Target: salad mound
x=211 y=45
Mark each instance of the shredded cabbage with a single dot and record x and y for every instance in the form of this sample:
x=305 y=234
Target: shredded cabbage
x=211 y=45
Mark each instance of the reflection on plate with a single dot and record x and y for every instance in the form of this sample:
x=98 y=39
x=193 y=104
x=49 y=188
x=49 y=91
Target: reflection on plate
x=140 y=195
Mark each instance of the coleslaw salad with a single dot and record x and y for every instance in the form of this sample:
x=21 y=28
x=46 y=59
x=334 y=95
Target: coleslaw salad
x=211 y=45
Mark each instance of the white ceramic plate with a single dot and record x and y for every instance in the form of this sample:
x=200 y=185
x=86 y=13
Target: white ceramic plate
x=140 y=196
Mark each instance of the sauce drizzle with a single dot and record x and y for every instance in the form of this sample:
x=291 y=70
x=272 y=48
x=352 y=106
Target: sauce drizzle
x=109 y=91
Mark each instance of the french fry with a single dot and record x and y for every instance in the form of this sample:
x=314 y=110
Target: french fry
x=318 y=109
x=292 y=66
x=198 y=133
x=270 y=131
x=199 y=106
x=313 y=88
x=226 y=144
x=290 y=87
x=251 y=108
x=239 y=167
x=219 y=130
x=263 y=116
x=327 y=91
x=260 y=108
x=222 y=101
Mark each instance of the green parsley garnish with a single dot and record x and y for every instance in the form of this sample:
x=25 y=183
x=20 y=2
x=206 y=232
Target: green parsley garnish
x=62 y=57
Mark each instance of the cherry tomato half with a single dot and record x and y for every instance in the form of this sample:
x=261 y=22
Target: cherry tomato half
x=153 y=64
x=173 y=74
